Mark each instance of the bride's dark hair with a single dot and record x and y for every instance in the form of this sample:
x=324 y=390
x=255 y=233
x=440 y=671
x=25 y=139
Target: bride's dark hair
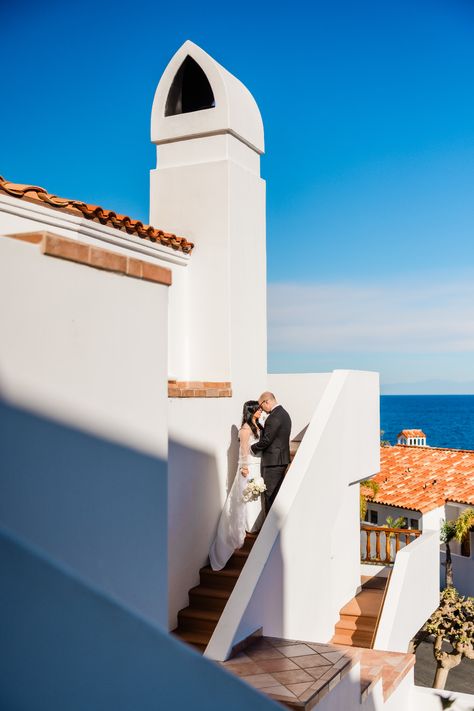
x=250 y=408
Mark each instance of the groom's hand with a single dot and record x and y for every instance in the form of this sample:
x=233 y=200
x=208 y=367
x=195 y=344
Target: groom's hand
x=244 y=471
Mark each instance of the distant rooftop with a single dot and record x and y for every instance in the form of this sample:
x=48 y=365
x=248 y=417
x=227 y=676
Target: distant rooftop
x=423 y=478
x=411 y=433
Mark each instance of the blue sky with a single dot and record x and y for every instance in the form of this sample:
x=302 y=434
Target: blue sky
x=369 y=118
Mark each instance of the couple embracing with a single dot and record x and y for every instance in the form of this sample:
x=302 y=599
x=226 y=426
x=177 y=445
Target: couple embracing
x=264 y=453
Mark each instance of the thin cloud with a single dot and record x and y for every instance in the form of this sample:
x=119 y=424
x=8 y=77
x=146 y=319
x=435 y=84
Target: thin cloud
x=397 y=317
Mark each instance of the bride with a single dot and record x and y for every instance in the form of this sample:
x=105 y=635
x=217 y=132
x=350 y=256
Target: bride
x=237 y=517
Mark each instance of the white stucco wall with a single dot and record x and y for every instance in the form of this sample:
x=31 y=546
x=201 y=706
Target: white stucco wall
x=345 y=695
x=83 y=378
x=220 y=205
x=203 y=453
x=85 y=346
x=298 y=393
x=412 y=595
x=425 y=699
x=433 y=519
x=395 y=512
x=463 y=571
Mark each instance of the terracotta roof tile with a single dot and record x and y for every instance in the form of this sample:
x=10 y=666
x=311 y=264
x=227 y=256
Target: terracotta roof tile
x=33 y=193
x=411 y=433
x=423 y=478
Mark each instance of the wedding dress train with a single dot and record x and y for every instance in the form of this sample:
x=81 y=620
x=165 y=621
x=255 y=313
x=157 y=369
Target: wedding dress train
x=237 y=517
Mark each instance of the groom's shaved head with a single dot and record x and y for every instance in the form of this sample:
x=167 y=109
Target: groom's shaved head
x=267 y=400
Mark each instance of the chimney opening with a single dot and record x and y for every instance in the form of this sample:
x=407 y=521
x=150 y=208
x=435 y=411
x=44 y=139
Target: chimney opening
x=190 y=90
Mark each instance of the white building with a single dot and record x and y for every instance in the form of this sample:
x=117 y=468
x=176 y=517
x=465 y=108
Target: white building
x=127 y=352
x=412 y=438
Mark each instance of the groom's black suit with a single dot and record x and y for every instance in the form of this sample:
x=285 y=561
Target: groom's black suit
x=274 y=444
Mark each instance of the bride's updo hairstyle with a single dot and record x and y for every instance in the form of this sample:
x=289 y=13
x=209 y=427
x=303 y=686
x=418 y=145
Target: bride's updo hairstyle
x=250 y=408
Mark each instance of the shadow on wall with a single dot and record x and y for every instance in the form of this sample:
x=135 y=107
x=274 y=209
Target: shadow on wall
x=71 y=647
x=97 y=507
x=194 y=498
x=232 y=457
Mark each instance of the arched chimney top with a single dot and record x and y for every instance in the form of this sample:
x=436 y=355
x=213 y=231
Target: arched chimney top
x=196 y=96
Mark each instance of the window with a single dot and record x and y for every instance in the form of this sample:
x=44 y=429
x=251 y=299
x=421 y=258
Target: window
x=190 y=90
x=466 y=546
x=374 y=517
x=414 y=523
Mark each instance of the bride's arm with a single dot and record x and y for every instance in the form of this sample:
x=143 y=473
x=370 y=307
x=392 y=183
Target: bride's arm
x=244 y=436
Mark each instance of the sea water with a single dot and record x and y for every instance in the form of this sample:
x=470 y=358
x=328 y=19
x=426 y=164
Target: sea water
x=447 y=420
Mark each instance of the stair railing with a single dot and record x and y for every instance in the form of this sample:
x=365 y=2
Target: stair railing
x=380 y=544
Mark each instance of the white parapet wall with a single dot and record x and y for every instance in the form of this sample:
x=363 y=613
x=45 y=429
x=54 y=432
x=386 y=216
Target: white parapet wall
x=426 y=699
x=73 y=647
x=463 y=571
x=412 y=595
x=83 y=378
x=299 y=394
x=305 y=564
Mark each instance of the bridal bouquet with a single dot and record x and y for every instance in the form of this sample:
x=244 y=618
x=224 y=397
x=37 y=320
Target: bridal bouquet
x=253 y=490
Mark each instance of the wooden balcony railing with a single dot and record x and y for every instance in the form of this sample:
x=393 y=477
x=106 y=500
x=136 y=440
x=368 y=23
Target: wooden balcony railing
x=380 y=544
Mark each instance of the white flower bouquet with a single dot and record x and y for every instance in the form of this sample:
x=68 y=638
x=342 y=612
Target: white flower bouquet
x=253 y=490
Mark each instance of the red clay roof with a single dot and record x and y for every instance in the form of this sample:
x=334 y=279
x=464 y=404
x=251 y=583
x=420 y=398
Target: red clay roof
x=32 y=193
x=423 y=478
x=411 y=433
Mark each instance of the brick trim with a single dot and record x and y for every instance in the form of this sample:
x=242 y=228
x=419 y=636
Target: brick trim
x=54 y=245
x=198 y=388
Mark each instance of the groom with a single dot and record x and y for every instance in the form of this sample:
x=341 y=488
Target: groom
x=274 y=444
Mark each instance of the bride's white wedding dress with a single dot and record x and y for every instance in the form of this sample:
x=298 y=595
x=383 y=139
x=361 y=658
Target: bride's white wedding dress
x=237 y=517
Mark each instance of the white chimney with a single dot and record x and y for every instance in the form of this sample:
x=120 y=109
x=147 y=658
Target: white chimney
x=207 y=187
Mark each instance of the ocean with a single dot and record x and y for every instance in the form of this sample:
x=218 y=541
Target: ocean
x=447 y=420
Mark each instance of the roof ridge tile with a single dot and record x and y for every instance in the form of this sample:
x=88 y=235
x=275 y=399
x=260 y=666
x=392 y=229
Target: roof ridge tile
x=35 y=193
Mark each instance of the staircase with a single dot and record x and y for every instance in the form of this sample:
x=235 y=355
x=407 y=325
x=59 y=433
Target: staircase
x=359 y=618
x=197 y=622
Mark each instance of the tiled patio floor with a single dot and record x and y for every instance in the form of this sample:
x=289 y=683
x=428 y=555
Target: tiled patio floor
x=299 y=674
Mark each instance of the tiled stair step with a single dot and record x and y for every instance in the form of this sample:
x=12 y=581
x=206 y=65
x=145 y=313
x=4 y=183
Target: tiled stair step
x=222 y=579
x=373 y=583
x=367 y=603
x=208 y=598
x=237 y=560
x=195 y=620
x=348 y=623
x=250 y=539
x=199 y=640
x=358 y=618
x=356 y=639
